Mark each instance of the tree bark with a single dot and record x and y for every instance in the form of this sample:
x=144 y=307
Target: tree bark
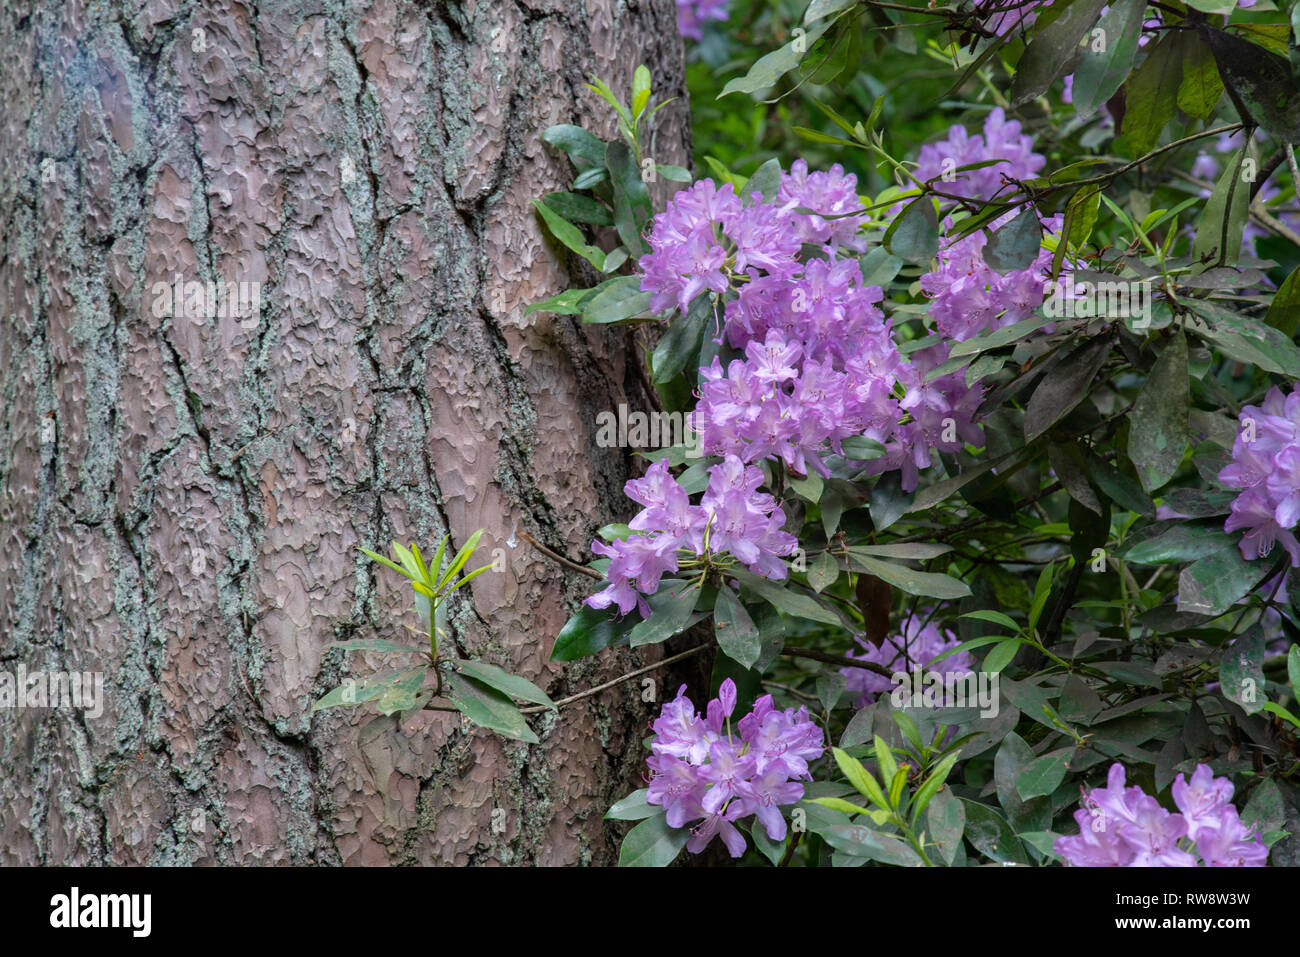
x=182 y=499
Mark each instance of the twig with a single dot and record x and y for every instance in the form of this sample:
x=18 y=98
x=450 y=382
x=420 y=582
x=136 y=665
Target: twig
x=556 y=556
x=673 y=659
x=795 y=692
x=830 y=659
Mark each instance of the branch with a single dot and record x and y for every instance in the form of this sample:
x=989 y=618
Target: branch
x=534 y=709
x=557 y=557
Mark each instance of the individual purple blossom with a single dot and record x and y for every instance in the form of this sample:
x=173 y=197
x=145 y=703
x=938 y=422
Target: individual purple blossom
x=703 y=770
x=1229 y=843
x=1201 y=800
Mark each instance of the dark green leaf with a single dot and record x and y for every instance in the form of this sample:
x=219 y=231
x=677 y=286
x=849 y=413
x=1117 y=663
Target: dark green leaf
x=1053 y=49
x=1065 y=386
x=632 y=208
x=927 y=584
x=1241 y=671
x=735 y=631
x=1158 y=421
x=634 y=807
x=615 y=300
x=1015 y=245
x=914 y=235
x=670 y=613
x=1101 y=72
x=488 y=708
x=652 y=843
x=510 y=685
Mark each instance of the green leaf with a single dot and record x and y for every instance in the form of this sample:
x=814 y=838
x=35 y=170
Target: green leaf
x=1043 y=775
x=1201 y=87
x=1015 y=245
x=567 y=303
x=999 y=337
x=784 y=598
x=1284 y=312
x=1260 y=83
x=570 y=235
x=990 y=834
x=888 y=502
x=1241 y=670
x=615 y=300
x=996 y=617
x=735 y=631
x=933 y=783
x=1121 y=489
x=634 y=807
x=879 y=267
x=462 y=556
x=581 y=146
x=670 y=613
x=674 y=173
x=402 y=693
x=1101 y=72
x=640 y=89
x=914 y=236
x=860 y=778
x=368 y=689
x=1065 y=386
x=488 y=708
x=769 y=68
x=1000 y=656
x=578 y=208
x=945 y=820
x=824 y=8
x=1151 y=94
x=1293 y=670
x=839 y=804
x=921 y=551
x=766 y=181
x=1209 y=239
x=377 y=644
x=1182 y=543
x=652 y=843
x=1215 y=583
x=1158 y=421
x=682 y=341
x=928 y=584
x=1053 y=48
x=1042 y=589
x=861 y=448
x=510 y=685
x=823 y=572
x=632 y=208
x=590 y=630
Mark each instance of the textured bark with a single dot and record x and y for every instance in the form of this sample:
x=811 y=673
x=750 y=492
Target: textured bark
x=189 y=525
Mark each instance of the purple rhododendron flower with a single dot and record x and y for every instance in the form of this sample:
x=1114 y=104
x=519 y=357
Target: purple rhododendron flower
x=735 y=515
x=1266 y=467
x=1126 y=827
x=701 y=771
x=920 y=642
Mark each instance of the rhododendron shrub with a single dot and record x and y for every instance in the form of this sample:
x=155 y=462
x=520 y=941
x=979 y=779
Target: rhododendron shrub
x=989 y=500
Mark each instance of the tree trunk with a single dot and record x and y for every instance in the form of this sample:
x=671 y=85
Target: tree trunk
x=182 y=499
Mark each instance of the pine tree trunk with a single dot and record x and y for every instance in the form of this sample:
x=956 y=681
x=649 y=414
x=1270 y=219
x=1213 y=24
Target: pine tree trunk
x=182 y=499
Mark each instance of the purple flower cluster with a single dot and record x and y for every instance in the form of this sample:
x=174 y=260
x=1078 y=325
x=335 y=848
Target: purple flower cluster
x=700 y=771
x=1000 y=140
x=1126 y=827
x=692 y=14
x=733 y=516
x=920 y=643
x=707 y=239
x=969 y=297
x=1266 y=467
